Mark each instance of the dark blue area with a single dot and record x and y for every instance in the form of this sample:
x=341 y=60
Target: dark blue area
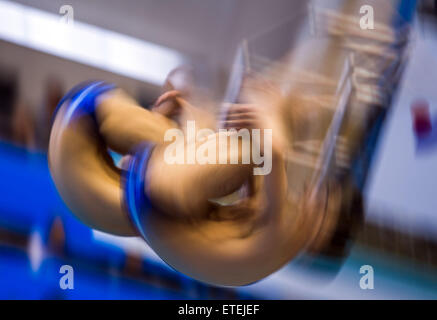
x=29 y=203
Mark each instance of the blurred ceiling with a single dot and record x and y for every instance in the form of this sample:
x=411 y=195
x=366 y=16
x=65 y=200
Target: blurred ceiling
x=206 y=31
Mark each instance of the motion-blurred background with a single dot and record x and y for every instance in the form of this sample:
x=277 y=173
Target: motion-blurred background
x=135 y=44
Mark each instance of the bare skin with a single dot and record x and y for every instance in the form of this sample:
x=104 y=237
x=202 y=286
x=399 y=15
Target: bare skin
x=218 y=244
x=221 y=244
x=228 y=245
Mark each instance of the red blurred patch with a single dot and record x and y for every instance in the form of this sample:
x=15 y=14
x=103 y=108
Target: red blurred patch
x=421 y=118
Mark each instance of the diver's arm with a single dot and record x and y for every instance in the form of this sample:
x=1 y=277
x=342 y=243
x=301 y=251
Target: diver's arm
x=85 y=175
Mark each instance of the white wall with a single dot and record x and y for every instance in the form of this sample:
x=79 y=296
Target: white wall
x=34 y=68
